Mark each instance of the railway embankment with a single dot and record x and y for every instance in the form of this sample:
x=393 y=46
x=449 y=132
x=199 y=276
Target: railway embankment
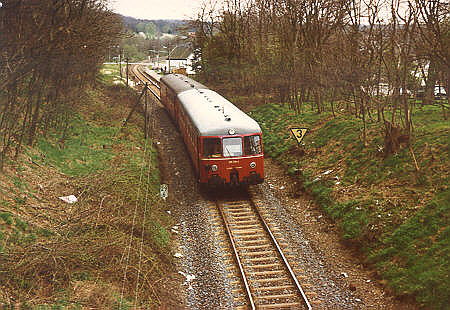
x=396 y=218
x=81 y=220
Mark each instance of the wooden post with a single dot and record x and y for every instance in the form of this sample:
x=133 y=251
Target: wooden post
x=120 y=64
x=127 y=71
x=145 y=108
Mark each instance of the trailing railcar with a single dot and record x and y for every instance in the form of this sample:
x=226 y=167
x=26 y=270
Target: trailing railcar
x=224 y=143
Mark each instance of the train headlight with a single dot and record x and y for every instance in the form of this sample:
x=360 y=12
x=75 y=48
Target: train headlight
x=214 y=168
x=253 y=165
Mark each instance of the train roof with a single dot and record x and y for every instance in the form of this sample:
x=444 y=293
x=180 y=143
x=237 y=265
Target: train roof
x=213 y=115
x=180 y=83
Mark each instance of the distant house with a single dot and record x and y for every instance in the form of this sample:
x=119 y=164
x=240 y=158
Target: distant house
x=181 y=57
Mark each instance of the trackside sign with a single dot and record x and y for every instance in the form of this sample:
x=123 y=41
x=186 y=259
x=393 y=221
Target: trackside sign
x=164 y=191
x=299 y=133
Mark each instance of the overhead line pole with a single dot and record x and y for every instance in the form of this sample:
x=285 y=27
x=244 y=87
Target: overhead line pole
x=127 y=70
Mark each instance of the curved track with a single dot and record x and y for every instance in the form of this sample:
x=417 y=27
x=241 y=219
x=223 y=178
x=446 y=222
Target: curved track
x=151 y=76
x=145 y=78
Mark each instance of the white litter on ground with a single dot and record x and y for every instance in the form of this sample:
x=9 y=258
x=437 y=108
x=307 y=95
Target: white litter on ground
x=69 y=199
x=189 y=278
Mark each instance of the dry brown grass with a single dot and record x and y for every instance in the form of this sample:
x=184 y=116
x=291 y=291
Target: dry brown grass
x=91 y=249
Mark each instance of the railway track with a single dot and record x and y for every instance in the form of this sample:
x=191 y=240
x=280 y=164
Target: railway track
x=263 y=276
x=144 y=78
x=149 y=77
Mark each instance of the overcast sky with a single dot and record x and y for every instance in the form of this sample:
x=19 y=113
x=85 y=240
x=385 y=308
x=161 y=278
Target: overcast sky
x=157 y=9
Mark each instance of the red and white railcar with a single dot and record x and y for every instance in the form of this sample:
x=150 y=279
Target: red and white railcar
x=224 y=143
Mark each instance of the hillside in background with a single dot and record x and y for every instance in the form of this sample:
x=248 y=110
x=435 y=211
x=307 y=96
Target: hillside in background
x=145 y=38
x=170 y=26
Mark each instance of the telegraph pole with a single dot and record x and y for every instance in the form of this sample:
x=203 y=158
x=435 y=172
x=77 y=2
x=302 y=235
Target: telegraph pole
x=168 y=50
x=127 y=70
x=120 y=64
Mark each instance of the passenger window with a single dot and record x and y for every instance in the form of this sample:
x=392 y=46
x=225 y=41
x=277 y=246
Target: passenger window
x=211 y=147
x=252 y=145
x=232 y=147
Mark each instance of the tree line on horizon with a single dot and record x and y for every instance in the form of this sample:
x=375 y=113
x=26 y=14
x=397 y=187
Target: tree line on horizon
x=369 y=54
x=155 y=26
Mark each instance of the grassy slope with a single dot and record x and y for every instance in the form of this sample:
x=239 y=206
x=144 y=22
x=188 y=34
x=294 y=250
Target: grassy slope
x=399 y=218
x=56 y=254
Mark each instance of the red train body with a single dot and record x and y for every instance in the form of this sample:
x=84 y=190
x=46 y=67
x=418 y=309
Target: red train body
x=224 y=143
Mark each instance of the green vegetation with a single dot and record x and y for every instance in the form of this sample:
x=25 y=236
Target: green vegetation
x=398 y=216
x=147 y=38
x=149 y=29
x=7 y=217
x=110 y=74
x=57 y=255
x=154 y=27
x=86 y=151
x=414 y=258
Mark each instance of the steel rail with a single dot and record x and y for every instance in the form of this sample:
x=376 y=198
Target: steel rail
x=135 y=71
x=154 y=94
x=288 y=266
x=147 y=76
x=151 y=79
x=236 y=256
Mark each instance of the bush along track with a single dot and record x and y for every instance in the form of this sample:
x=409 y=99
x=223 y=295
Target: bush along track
x=397 y=216
x=109 y=248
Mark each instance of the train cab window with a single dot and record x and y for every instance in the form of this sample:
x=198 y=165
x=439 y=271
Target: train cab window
x=212 y=147
x=232 y=147
x=252 y=145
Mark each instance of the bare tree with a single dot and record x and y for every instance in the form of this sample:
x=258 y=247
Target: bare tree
x=49 y=50
x=433 y=45
x=367 y=52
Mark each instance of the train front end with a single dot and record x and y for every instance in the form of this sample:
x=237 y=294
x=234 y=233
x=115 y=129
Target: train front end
x=231 y=160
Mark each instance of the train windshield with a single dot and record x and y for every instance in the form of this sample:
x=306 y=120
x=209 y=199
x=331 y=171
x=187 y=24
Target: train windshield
x=212 y=147
x=252 y=145
x=232 y=147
